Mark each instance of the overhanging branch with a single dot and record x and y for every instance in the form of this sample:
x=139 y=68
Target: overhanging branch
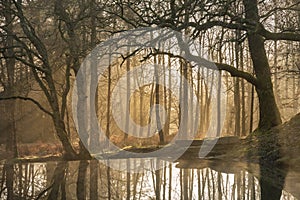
x=28 y=99
x=234 y=72
x=290 y=36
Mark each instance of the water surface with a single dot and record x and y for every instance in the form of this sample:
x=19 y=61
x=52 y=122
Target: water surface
x=93 y=180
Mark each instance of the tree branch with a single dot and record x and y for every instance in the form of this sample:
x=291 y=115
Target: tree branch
x=290 y=36
x=234 y=72
x=28 y=99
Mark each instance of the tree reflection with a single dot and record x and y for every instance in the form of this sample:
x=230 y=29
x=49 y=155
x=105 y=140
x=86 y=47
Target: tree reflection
x=271 y=182
x=81 y=183
x=199 y=180
x=9 y=172
x=58 y=181
x=94 y=179
x=272 y=173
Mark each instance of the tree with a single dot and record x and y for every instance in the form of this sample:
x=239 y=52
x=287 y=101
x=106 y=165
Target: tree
x=269 y=113
x=35 y=55
x=10 y=67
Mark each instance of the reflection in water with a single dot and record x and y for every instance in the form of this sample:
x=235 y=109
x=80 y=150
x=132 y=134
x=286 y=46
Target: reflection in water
x=272 y=173
x=93 y=180
x=22 y=181
x=58 y=182
x=272 y=181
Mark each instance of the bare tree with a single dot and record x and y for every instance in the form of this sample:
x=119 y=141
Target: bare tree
x=35 y=55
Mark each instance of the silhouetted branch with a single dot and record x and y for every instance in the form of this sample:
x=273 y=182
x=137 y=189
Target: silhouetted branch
x=290 y=36
x=234 y=72
x=28 y=99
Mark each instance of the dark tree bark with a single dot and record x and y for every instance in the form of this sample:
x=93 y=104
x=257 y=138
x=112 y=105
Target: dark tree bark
x=94 y=175
x=269 y=113
x=237 y=98
x=58 y=178
x=10 y=62
x=81 y=180
x=9 y=180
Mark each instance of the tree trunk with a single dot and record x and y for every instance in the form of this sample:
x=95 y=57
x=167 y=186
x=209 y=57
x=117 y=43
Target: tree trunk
x=59 y=125
x=269 y=113
x=94 y=142
x=237 y=98
x=128 y=87
x=108 y=104
x=157 y=102
x=10 y=62
x=74 y=48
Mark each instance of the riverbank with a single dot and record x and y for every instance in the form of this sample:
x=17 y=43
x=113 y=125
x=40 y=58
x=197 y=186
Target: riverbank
x=280 y=145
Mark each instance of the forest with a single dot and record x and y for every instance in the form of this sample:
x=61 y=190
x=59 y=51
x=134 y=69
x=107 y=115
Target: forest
x=127 y=99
